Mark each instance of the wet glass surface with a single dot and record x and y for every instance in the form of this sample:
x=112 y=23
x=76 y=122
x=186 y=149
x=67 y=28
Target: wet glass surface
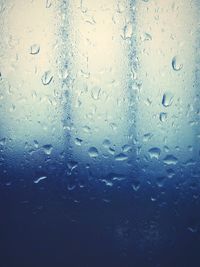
x=100 y=134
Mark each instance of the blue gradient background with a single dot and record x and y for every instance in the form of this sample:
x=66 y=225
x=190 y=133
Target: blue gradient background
x=134 y=201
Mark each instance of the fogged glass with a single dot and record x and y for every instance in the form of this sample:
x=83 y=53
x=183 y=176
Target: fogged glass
x=100 y=100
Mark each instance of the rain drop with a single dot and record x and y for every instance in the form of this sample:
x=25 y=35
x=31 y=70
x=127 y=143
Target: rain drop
x=93 y=152
x=72 y=165
x=95 y=93
x=78 y=141
x=160 y=181
x=48 y=149
x=47 y=77
x=167 y=99
x=48 y=3
x=163 y=116
x=106 y=143
x=2 y=141
x=121 y=157
x=154 y=152
x=126 y=148
x=136 y=186
x=127 y=31
x=176 y=65
x=146 y=37
x=40 y=179
x=35 y=49
x=170 y=160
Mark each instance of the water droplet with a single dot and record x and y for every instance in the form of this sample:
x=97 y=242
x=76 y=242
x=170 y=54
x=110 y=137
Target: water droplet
x=78 y=141
x=86 y=129
x=153 y=199
x=192 y=229
x=48 y=3
x=106 y=143
x=121 y=157
x=167 y=99
x=190 y=162
x=176 y=64
x=3 y=142
x=170 y=173
x=65 y=73
x=163 y=116
x=71 y=186
x=36 y=144
x=35 y=49
x=154 y=152
x=120 y=7
x=127 y=31
x=118 y=177
x=113 y=126
x=147 y=137
x=126 y=148
x=146 y=37
x=40 y=179
x=93 y=152
x=95 y=93
x=107 y=182
x=48 y=149
x=47 y=77
x=170 y=160
x=136 y=186
x=111 y=150
x=160 y=181
x=72 y=165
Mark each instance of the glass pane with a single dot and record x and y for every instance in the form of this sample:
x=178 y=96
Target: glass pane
x=100 y=134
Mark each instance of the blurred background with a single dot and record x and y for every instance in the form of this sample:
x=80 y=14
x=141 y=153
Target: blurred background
x=99 y=133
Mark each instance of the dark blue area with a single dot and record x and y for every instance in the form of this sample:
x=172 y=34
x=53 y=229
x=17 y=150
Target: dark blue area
x=46 y=225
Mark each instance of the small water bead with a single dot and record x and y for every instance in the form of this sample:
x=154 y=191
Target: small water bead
x=40 y=179
x=121 y=157
x=36 y=144
x=176 y=64
x=111 y=150
x=146 y=37
x=147 y=137
x=160 y=181
x=154 y=153
x=95 y=93
x=107 y=182
x=163 y=116
x=48 y=149
x=126 y=148
x=170 y=173
x=2 y=141
x=35 y=49
x=47 y=78
x=106 y=143
x=170 y=160
x=127 y=31
x=192 y=229
x=136 y=185
x=48 y=3
x=72 y=165
x=167 y=99
x=65 y=73
x=78 y=141
x=93 y=152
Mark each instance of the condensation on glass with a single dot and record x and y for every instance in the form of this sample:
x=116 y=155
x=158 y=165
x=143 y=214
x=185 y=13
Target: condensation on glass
x=107 y=90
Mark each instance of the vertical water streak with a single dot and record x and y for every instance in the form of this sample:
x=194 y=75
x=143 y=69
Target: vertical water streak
x=101 y=37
